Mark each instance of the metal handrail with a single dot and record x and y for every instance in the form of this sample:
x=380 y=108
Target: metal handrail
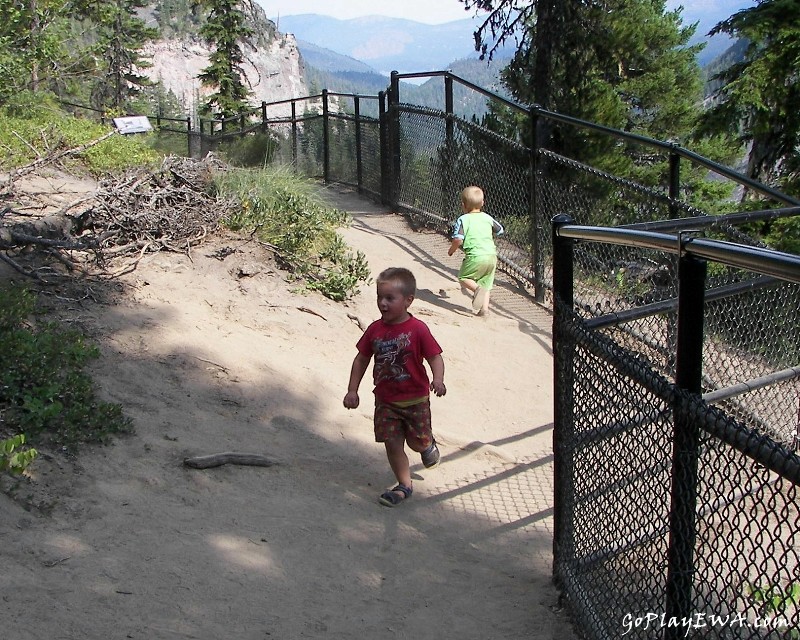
x=769 y=262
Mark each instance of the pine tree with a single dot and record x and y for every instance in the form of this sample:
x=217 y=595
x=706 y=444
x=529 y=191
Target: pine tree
x=31 y=43
x=758 y=97
x=624 y=64
x=223 y=29
x=120 y=36
x=621 y=63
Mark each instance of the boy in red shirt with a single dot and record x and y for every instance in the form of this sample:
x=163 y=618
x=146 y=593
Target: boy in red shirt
x=399 y=343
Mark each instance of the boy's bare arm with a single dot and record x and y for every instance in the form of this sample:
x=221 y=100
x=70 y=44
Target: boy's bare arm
x=437 y=371
x=360 y=364
x=454 y=245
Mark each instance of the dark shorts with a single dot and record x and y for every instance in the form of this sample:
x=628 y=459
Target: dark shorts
x=412 y=424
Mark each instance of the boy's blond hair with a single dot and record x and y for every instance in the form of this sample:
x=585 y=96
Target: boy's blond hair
x=472 y=198
x=402 y=277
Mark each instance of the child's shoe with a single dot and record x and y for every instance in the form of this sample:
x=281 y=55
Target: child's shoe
x=431 y=456
x=478 y=298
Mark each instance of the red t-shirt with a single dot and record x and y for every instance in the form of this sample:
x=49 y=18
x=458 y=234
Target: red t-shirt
x=399 y=349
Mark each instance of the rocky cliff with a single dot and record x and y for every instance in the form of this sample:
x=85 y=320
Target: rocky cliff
x=273 y=70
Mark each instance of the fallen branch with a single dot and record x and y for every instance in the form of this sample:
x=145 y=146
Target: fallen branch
x=229 y=457
x=17 y=267
x=28 y=168
x=357 y=320
x=145 y=210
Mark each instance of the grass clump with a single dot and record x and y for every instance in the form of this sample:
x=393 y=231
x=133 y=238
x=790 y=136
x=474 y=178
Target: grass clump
x=44 y=392
x=32 y=128
x=287 y=213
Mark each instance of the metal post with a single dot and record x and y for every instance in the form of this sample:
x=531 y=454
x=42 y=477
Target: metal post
x=674 y=183
x=326 y=158
x=537 y=262
x=448 y=179
x=686 y=441
x=189 y=136
x=383 y=138
x=563 y=421
x=359 y=176
x=394 y=138
x=294 y=134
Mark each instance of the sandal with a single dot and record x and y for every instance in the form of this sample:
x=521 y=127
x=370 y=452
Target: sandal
x=431 y=456
x=391 y=498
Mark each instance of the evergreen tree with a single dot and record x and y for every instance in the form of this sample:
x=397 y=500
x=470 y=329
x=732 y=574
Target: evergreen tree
x=120 y=36
x=621 y=63
x=177 y=18
x=624 y=64
x=31 y=43
x=758 y=97
x=223 y=29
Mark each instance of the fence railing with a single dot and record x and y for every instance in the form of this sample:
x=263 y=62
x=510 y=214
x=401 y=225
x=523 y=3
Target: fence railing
x=676 y=512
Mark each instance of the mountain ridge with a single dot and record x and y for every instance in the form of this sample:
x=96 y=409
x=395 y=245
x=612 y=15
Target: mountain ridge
x=401 y=44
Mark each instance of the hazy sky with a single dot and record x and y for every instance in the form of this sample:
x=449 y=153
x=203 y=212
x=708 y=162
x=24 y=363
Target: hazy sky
x=438 y=11
x=428 y=11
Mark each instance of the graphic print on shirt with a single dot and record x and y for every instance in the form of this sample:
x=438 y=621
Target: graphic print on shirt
x=390 y=358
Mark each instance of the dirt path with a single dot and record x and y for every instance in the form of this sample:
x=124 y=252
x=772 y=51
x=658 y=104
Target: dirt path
x=210 y=355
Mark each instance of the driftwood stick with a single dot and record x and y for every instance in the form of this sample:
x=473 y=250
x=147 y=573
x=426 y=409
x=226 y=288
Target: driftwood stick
x=229 y=457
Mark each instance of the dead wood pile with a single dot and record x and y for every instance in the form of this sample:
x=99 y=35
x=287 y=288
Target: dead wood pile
x=106 y=232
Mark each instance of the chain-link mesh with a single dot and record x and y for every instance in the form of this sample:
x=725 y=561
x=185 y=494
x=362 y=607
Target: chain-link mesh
x=618 y=484
x=351 y=140
x=752 y=337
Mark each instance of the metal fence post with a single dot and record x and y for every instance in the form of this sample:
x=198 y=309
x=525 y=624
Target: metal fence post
x=674 y=182
x=685 y=451
x=188 y=136
x=563 y=421
x=326 y=151
x=394 y=138
x=533 y=167
x=447 y=175
x=384 y=145
x=294 y=135
x=359 y=167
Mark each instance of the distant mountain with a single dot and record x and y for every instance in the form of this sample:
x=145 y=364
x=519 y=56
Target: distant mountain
x=387 y=44
x=327 y=60
x=707 y=15
x=466 y=102
x=356 y=56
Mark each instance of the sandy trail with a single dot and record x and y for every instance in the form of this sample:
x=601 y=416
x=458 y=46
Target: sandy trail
x=210 y=355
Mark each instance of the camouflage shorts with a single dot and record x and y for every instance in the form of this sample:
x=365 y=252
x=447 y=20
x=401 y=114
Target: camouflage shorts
x=412 y=424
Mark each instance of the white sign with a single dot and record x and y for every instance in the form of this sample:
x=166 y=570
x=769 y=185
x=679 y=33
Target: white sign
x=132 y=124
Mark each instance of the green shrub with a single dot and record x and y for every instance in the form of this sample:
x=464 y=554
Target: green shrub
x=286 y=212
x=254 y=150
x=44 y=391
x=12 y=458
x=34 y=127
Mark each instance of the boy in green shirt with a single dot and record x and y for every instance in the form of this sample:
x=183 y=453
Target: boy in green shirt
x=474 y=232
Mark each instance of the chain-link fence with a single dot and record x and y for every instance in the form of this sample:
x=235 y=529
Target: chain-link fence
x=676 y=415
